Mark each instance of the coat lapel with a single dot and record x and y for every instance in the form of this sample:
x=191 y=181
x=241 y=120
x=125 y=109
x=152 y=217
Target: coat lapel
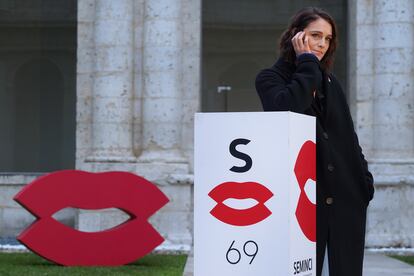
x=329 y=91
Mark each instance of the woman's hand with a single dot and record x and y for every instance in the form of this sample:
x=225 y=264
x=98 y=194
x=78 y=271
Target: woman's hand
x=300 y=43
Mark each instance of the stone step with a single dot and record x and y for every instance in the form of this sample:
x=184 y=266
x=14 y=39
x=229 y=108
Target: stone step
x=374 y=265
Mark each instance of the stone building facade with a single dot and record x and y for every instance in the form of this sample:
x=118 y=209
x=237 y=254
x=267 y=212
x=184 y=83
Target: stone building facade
x=137 y=92
x=381 y=86
x=144 y=67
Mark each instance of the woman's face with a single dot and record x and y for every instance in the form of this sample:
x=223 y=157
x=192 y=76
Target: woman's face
x=319 y=33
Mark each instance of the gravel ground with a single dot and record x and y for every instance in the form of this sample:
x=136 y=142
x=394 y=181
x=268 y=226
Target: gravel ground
x=9 y=241
x=11 y=245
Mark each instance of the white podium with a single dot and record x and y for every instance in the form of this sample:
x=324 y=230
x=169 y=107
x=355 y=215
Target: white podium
x=254 y=194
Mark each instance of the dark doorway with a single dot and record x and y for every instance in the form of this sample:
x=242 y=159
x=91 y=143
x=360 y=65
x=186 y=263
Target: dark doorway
x=37 y=85
x=37 y=145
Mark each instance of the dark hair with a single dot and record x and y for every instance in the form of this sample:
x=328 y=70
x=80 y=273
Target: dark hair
x=299 y=22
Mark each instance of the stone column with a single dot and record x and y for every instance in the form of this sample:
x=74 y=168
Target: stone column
x=138 y=74
x=84 y=82
x=382 y=37
x=113 y=82
x=394 y=80
x=361 y=75
x=162 y=82
x=191 y=73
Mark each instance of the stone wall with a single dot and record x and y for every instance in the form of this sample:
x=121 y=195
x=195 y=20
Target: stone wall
x=13 y=218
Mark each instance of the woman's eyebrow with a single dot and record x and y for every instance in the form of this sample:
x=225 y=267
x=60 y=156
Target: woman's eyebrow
x=319 y=32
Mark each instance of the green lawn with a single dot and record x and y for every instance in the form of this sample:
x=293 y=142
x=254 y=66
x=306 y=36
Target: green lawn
x=407 y=259
x=29 y=264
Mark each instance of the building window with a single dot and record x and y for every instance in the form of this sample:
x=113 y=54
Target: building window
x=37 y=85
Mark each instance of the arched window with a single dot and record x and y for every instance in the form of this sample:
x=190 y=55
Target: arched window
x=37 y=86
x=38 y=114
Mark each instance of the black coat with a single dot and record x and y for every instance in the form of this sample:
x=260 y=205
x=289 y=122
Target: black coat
x=344 y=184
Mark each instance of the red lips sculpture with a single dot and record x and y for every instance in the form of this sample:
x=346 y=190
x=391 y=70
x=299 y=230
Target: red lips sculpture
x=305 y=168
x=63 y=245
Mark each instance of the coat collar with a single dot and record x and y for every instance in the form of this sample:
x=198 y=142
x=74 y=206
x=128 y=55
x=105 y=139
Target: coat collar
x=285 y=67
x=328 y=87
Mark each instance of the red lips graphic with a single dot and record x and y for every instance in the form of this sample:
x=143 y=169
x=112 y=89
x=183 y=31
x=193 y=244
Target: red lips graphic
x=66 y=246
x=305 y=168
x=238 y=190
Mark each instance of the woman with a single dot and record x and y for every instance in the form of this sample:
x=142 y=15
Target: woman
x=300 y=81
